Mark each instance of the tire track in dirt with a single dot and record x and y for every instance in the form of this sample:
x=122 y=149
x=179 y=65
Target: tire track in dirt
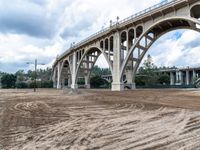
x=93 y=124
x=127 y=127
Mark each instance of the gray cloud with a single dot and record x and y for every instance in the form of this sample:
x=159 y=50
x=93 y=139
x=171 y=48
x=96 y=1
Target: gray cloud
x=39 y=2
x=26 y=18
x=75 y=30
x=192 y=44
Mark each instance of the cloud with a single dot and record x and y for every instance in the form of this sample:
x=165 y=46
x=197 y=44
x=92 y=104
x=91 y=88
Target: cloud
x=181 y=52
x=31 y=17
x=39 y=2
x=15 y=52
x=43 y=29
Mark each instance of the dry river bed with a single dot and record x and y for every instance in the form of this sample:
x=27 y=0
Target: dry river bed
x=100 y=120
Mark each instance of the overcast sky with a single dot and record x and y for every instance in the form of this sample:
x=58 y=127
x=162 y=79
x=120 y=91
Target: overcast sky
x=43 y=29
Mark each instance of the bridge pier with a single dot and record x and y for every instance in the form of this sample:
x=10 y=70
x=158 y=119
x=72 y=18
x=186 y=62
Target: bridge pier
x=87 y=82
x=74 y=84
x=59 y=76
x=117 y=84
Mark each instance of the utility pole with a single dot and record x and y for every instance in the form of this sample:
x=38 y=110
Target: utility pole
x=35 y=73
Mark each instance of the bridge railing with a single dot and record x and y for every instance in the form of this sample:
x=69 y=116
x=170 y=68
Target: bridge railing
x=163 y=3
x=135 y=16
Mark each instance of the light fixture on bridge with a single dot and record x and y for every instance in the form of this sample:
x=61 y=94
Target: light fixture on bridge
x=111 y=23
x=117 y=19
x=72 y=44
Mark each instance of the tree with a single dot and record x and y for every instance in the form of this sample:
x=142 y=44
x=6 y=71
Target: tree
x=8 y=81
x=20 y=75
x=148 y=73
x=148 y=63
x=96 y=71
x=98 y=82
x=164 y=79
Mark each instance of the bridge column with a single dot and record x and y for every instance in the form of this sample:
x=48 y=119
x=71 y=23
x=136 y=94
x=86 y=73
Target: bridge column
x=117 y=84
x=54 y=78
x=87 y=82
x=62 y=82
x=69 y=81
x=74 y=64
x=172 y=78
x=194 y=74
x=59 y=76
x=187 y=77
x=129 y=73
x=109 y=49
x=181 y=77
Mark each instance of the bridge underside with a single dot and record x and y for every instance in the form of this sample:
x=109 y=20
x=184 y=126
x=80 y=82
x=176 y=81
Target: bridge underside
x=124 y=46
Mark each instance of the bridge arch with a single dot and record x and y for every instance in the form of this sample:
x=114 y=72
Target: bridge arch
x=194 y=11
x=102 y=44
x=152 y=34
x=139 y=31
x=88 y=61
x=65 y=74
x=131 y=37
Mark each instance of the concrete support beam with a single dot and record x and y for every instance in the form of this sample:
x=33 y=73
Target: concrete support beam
x=74 y=66
x=172 y=78
x=69 y=81
x=129 y=75
x=194 y=74
x=59 y=76
x=54 y=78
x=181 y=77
x=127 y=41
x=177 y=78
x=62 y=82
x=117 y=85
x=187 y=77
x=87 y=82
x=109 y=49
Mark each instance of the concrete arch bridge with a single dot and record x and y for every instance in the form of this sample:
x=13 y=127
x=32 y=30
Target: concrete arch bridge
x=124 y=43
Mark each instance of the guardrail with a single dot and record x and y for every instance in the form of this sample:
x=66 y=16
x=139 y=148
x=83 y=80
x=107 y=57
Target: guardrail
x=135 y=16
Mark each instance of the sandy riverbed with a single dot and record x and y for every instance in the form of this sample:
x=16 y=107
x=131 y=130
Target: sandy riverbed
x=89 y=119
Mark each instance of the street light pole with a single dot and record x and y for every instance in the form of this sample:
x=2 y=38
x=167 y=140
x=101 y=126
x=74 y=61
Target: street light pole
x=35 y=73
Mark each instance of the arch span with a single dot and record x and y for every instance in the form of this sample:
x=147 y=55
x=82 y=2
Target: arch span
x=152 y=34
x=65 y=74
x=88 y=61
x=194 y=11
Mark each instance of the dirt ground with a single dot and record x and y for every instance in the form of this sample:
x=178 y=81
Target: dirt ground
x=99 y=119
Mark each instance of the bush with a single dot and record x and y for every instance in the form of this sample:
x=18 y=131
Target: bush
x=21 y=85
x=41 y=84
x=98 y=82
x=46 y=84
x=164 y=79
x=8 y=81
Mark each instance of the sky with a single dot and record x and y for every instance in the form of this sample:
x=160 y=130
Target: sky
x=44 y=29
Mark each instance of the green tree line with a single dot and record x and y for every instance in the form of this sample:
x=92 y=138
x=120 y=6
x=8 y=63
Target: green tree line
x=22 y=79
